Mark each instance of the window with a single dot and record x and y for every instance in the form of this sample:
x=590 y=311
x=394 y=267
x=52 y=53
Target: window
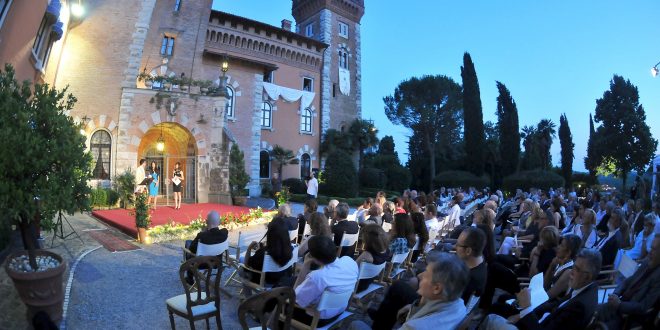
x=306 y=121
x=305 y=165
x=269 y=76
x=334 y=89
x=42 y=43
x=167 y=46
x=266 y=112
x=308 y=84
x=309 y=30
x=4 y=8
x=343 y=30
x=177 y=5
x=343 y=59
x=100 y=145
x=229 y=106
x=264 y=164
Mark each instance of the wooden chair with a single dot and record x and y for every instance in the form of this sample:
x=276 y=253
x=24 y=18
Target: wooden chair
x=269 y=266
x=367 y=271
x=205 y=302
x=256 y=305
x=221 y=250
x=347 y=240
x=328 y=300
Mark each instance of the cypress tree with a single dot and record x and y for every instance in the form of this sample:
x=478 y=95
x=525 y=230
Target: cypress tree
x=473 y=118
x=591 y=162
x=567 y=146
x=507 y=114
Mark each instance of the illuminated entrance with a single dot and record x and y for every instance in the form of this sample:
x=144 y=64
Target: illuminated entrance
x=166 y=144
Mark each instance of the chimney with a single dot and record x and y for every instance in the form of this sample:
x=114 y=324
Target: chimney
x=286 y=24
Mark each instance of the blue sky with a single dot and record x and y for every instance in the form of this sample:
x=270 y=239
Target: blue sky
x=554 y=56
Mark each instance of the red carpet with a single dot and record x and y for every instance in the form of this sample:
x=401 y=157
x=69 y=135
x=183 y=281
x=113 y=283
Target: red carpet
x=124 y=221
x=111 y=242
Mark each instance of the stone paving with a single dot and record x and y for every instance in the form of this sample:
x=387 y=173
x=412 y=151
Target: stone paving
x=123 y=290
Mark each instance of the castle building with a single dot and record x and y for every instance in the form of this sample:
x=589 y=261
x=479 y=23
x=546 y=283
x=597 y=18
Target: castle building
x=148 y=79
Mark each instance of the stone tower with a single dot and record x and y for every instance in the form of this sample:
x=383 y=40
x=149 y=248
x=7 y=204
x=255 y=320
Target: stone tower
x=336 y=23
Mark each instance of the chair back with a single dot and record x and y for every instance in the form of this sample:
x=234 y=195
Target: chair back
x=369 y=270
x=626 y=265
x=307 y=231
x=256 y=305
x=293 y=234
x=416 y=247
x=349 y=239
x=387 y=226
x=400 y=257
x=208 y=283
x=270 y=266
x=239 y=243
x=212 y=249
x=334 y=300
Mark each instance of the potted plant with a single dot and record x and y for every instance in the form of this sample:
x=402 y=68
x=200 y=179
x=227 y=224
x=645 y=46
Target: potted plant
x=142 y=216
x=238 y=177
x=124 y=184
x=48 y=177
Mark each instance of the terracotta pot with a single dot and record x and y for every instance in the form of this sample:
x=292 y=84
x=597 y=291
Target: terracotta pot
x=142 y=235
x=42 y=290
x=240 y=200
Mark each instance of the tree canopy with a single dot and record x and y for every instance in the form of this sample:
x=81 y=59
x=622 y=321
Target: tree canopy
x=431 y=106
x=624 y=138
x=507 y=115
x=363 y=135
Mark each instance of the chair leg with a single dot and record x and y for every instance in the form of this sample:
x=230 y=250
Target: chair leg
x=231 y=277
x=192 y=323
x=218 y=322
x=172 y=321
x=208 y=326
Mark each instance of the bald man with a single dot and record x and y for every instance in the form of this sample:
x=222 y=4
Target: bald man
x=212 y=234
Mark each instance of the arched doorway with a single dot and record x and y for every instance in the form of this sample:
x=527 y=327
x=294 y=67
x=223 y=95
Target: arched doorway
x=178 y=146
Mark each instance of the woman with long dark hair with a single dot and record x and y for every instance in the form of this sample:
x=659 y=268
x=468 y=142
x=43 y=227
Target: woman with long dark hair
x=374 y=240
x=402 y=234
x=419 y=225
x=278 y=246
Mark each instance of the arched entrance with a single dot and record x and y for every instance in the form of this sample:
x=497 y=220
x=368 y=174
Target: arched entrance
x=178 y=145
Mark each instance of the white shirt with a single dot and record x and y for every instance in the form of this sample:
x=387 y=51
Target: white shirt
x=312 y=187
x=591 y=240
x=599 y=216
x=339 y=276
x=636 y=251
x=432 y=224
x=139 y=177
x=455 y=215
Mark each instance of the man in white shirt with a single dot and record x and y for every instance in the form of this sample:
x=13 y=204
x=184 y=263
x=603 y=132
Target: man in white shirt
x=430 y=218
x=312 y=186
x=140 y=176
x=335 y=275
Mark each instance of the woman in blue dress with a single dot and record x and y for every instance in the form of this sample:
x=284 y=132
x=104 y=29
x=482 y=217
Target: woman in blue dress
x=153 y=186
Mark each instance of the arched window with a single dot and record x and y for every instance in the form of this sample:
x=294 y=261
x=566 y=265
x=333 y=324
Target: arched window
x=264 y=164
x=230 y=102
x=100 y=146
x=343 y=59
x=266 y=115
x=306 y=121
x=305 y=166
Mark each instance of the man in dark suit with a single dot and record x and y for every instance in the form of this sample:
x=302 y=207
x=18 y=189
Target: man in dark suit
x=212 y=234
x=609 y=244
x=573 y=311
x=343 y=225
x=636 y=294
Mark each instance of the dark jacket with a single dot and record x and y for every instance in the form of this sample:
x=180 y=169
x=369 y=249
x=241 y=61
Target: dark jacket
x=209 y=237
x=291 y=223
x=643 y=294
x=610 y=249
x=575 y=314
x=350 y=227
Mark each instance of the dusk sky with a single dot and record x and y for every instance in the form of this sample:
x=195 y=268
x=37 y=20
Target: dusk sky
x=554 y=56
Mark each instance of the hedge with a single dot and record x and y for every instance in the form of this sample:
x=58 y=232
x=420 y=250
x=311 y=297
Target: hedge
x=340 y=175
x=324 y=200
x=459 y=179
x=372 y=178
x=533 y=179
x=296 y=186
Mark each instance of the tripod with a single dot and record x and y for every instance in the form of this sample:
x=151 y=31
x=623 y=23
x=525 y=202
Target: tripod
x=59 y=225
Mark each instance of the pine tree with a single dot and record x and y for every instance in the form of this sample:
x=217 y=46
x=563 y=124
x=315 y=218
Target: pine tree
x=567 y=147
x=507 y=114
x=473 y=118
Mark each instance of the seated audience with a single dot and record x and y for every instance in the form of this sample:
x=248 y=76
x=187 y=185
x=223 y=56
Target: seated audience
x=374 y=240
x=310 y=208
x=318 y=226
x=555 y=278
x=573 y=311
x=374 y=216
x=402 y=234
x=212 y=234
x=361 y=212
x=610 y=243
x=587 y=229
x=430 y=217
x=329 y=210
x=545 y=251
x=388 y=212
x=469 y=248
x=284 y=212
x=421 y=232
x=342 y=225
x=636 y=294
x=334 y=274
x=644 y=240
x=278 y=246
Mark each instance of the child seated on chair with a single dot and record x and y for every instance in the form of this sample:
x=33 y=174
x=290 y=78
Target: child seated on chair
x=336 y=275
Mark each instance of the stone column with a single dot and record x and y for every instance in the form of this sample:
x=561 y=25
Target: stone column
x=217 y=187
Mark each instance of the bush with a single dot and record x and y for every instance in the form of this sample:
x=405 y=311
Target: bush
x=124 y=184
x=99 y=197
x=398 y=178
x=459 y=179
x=532 y=179
x=340 y=175
x=296 y=186
x=372 y=178
x=113 y=197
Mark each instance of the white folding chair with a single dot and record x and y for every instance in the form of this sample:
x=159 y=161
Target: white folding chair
x=307 y=231
x=293 y=235
x=269 y=266
x=398 y=259
x=329 y=300
x=433 y=240
x=387 y=227
x=367 y=271
x=348 y=240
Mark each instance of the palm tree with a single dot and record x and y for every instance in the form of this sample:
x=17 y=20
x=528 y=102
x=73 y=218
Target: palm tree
x=363 y=135
x=282 y=157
